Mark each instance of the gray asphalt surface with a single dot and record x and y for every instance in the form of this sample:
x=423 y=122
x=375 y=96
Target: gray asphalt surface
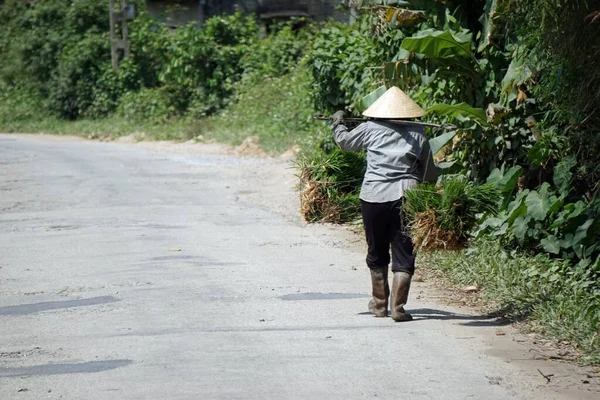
x=128 y=273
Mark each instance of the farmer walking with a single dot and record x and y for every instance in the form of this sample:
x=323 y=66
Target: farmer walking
x=398 y=158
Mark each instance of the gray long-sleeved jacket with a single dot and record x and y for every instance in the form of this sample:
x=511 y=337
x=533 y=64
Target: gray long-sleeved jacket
x=398 y=158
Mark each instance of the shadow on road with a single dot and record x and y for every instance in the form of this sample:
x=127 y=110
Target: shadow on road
x=59 y=369
x=24 y=309
x=494 y=319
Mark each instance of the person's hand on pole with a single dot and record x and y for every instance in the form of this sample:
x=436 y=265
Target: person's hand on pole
x=337 y=118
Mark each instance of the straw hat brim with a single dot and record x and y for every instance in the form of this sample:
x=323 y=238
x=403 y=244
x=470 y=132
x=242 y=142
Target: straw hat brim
x=394 y=104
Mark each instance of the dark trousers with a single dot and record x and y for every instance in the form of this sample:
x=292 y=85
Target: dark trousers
x=385 y=226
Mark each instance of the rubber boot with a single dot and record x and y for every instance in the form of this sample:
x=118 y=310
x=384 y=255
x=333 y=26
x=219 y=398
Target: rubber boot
x=400 y=289
x=381 y=291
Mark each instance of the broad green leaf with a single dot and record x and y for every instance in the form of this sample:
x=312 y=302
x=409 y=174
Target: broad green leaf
x=520 y=227
x=461 y=111
x=582 y=231
x=438 y=142
x=508 y=183
x=545 y=190
x=490 y=222
x=495 y=176
x=563 y=175
x=505 y=182
x=567 y=242
x=369 y=99
x=556 y=203
x=428 y=79
x=502 y=231
x=539 y=153
x=438 y=44
x=510 y=179
x=519 y=211
x=551 y=244
x=403 y=54
x=558 y=222
x=570 y=216
x=577 y=209
x=538 y=205
x=519 y=73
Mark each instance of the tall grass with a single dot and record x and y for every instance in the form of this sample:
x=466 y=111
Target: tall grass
x=556 y=300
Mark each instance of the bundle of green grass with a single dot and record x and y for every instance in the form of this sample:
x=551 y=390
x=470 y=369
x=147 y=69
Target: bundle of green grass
x=329 y=184
x=443 y=215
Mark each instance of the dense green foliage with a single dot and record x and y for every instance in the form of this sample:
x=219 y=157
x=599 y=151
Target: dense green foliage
x=277 y=110
x=57 y=51
x=559 y=44
x=545 y=220
x=340 y=61
x=500 y=67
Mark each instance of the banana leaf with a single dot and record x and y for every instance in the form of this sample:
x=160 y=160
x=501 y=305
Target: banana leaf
x=520 y=72
x=462 y=111
x=438 y=142
x=439 y=44
x=487 y=21
x=369 y=99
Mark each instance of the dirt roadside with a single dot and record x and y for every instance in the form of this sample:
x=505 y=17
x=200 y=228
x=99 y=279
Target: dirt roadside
x=272 y=186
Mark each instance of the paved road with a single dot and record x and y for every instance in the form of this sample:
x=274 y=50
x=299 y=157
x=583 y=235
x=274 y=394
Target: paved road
x=129 y=273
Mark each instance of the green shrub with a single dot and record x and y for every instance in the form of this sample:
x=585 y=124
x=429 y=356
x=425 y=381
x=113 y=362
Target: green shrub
x=19 y=107
x=71 y=89
x=277 y=110
x=156 y=105
x=559 y=42
x=36 y=33
x=60 y=50
x=148 y=40
x=82 y=16
x=206 y=63
x=31 y=41
x=341 y=61
x=544 y=220
x=111 y=85
x=277 y=54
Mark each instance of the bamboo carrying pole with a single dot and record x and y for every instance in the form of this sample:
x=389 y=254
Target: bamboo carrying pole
x=395 y=121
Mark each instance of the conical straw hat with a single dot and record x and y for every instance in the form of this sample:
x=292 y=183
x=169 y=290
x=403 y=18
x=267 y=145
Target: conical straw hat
x=394 y=103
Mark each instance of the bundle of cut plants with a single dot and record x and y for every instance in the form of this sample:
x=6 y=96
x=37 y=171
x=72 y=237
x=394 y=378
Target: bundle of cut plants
x=443 y=215
x=329 y=184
